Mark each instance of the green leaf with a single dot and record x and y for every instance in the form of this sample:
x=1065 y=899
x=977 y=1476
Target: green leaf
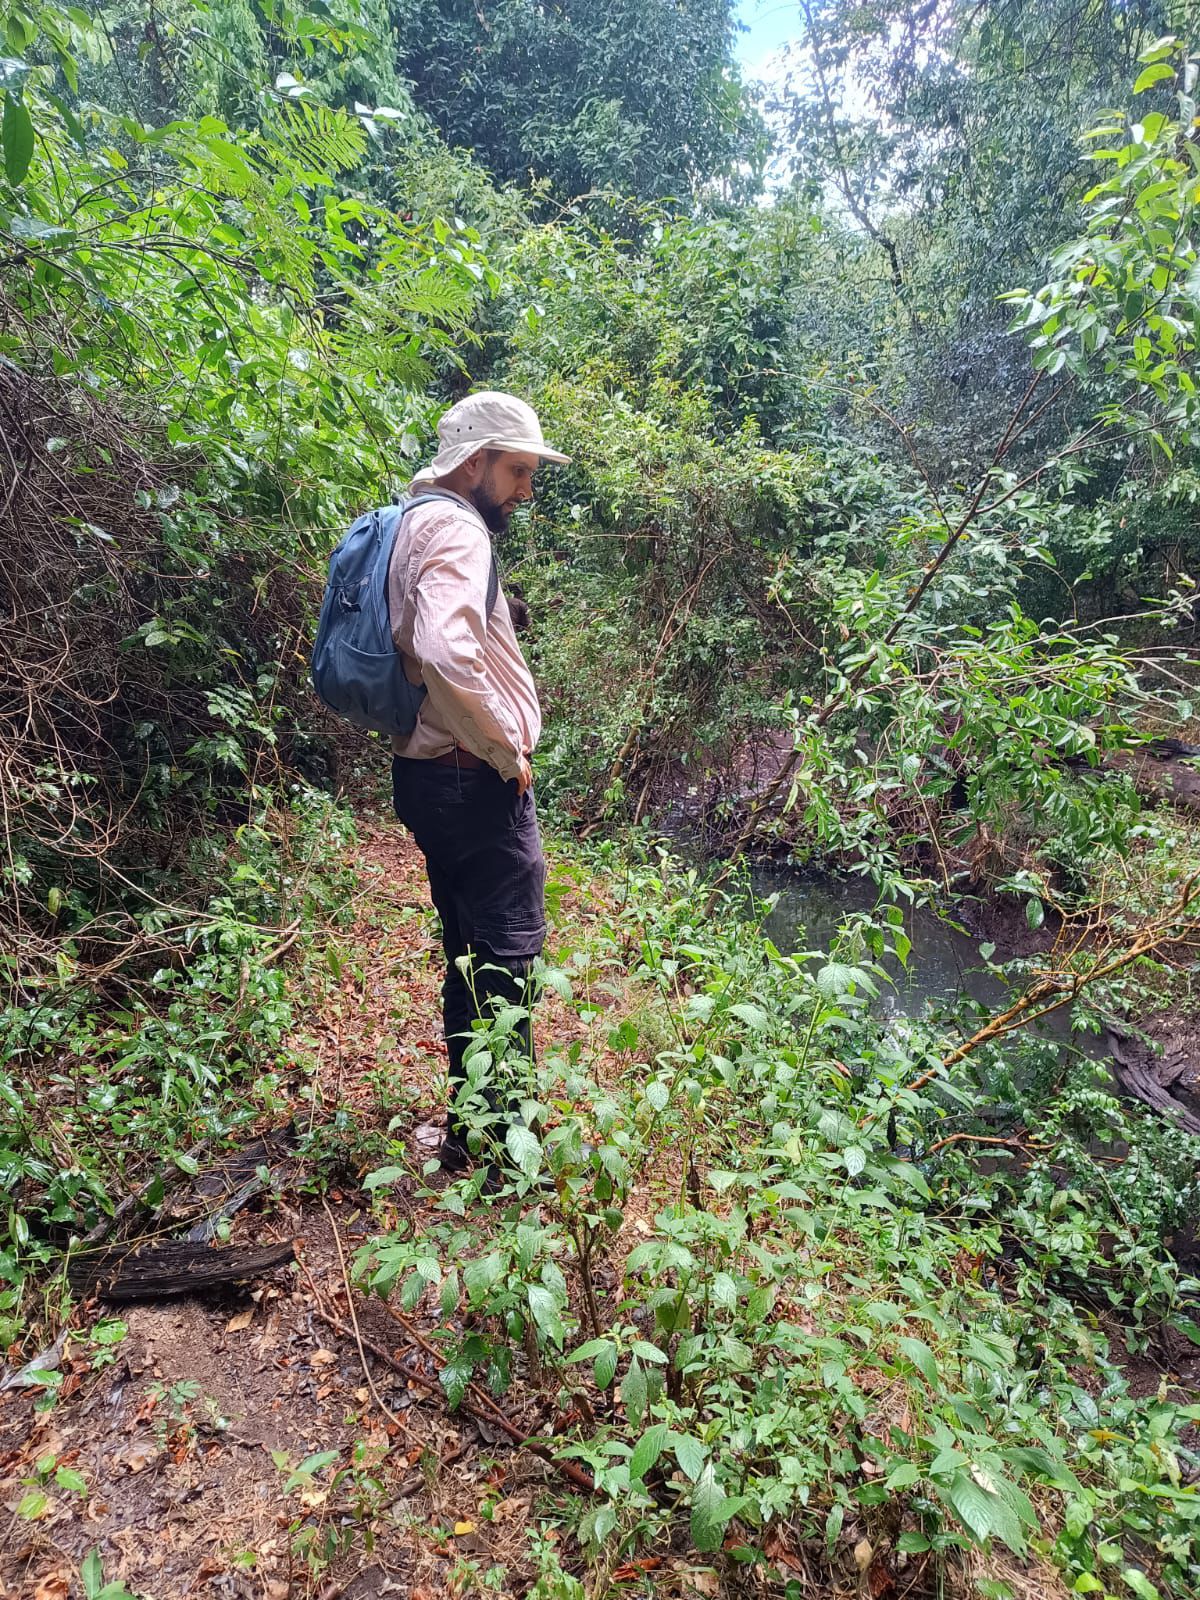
x=70 y=1480
x=479 y=1276
x=91 y=1571
x=855 y=1158
x=724 y=1291
x=711 y=1510
x=634 y=1392
x=17 y=133
x=1151 y=76
x=605 y=1367
x=645 y=1351
x=525 y=1149
x=455 y=1376
x=647 y=1450
x=690 y=1454
x=981 y=1512
x=903 y=1476
x=382 y=1177
x=543 y=1307
x=921 y=1356
x=590 y=1350
x=755 y=1018
x=912 y=1544
x=308 y=1467
x=449 y=1292
x=1140 y=1584
x=32 y=1505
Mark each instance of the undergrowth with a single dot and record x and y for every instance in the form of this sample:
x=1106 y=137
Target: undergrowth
x=795 y=1316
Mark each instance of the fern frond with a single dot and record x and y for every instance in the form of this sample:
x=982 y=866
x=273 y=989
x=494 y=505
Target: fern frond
x=318 y=141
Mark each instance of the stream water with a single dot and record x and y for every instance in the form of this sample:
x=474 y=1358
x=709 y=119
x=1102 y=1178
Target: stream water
x=944 y=963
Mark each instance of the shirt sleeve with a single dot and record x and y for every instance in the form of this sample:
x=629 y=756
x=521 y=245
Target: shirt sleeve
x=449 y=631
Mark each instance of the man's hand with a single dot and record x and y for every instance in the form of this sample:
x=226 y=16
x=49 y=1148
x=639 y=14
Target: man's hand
x=524 y=776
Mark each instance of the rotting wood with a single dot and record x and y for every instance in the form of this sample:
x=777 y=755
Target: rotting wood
x=1150 y=1079
x=125 y=1272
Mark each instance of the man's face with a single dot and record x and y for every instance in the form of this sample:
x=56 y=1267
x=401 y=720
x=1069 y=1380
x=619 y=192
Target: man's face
x=505 y=482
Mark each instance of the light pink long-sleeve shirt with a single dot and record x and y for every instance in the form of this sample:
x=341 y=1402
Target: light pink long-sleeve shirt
x=480 y=692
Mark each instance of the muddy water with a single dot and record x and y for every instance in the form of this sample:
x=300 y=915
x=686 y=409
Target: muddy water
x=943 y=966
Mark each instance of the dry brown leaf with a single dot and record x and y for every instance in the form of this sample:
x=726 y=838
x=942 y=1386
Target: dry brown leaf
x=515 y=1505
x=321 y=1358
x=54 y=1586
x=703 y=1582
x=242 y=1320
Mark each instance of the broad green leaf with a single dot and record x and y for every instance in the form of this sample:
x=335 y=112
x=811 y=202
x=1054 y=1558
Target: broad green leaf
x=690 y=1454
x=903 y=1476
x=981 y=1512
x=921 y=1356
x=647 y=1450
x=383 y=1177
x=525 y=1149
x=91 y=1571
x=590 y=1350
x=543 y=1308
x=634 y=1393
x=605 y=1367
x=479 y=1275
x=711 y=1510
x=16 y=129
x=309 y=1466
x=1152 y=75
x=455 y=1376
x=912 y=1543
x=658 y=1094
x=1140 y=1584
x=724 y=1291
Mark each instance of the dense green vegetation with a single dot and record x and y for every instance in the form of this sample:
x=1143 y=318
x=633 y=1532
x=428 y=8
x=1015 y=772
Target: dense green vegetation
x=887 y=471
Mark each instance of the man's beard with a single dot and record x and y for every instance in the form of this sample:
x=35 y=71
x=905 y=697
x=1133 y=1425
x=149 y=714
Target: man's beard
x=493 y=511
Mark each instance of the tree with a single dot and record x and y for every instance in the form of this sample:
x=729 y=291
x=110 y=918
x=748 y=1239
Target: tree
x=641 y=97
x=945 y=137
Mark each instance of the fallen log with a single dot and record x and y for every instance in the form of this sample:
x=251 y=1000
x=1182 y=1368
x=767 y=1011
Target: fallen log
x=177 y=1267
x=1150 y=1078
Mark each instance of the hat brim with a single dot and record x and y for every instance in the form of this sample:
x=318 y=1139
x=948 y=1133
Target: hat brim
x=452 y=456
x=523 y=447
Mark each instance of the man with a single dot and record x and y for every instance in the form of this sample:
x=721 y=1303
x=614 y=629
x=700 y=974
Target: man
x=461 y=780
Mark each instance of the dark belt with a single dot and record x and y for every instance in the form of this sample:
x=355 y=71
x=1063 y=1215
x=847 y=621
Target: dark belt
x=458 y=757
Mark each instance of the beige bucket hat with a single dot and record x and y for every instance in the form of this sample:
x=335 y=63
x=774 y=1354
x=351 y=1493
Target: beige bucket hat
x=486 y=421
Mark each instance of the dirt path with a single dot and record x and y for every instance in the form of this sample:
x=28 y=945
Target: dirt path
x=186 y=1429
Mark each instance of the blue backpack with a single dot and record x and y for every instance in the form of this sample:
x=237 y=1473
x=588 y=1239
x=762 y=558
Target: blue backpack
x=356 y=668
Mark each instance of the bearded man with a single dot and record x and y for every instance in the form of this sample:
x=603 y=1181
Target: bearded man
x=462 y=780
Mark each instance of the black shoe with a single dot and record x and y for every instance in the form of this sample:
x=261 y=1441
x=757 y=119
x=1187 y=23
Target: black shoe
x=453 y=1155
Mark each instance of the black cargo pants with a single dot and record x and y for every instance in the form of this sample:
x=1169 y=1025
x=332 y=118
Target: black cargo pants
x=487 y=877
